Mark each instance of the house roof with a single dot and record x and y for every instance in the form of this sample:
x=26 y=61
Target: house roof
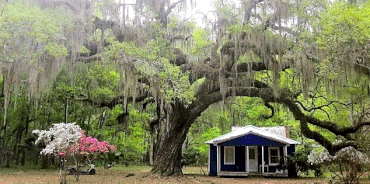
x=277 y=134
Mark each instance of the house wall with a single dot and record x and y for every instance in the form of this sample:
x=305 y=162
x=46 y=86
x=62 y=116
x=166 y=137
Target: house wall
x=266 y=157
x=291 y=150
x=212 y=160
x=292 y=169
x=250 y=140
x=239 y=160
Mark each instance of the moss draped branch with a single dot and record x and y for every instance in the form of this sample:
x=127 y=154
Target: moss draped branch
x=287 y=98
x=114 y=101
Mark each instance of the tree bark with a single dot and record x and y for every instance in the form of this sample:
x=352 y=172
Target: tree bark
x=44 y=162
x=66 y=111
x=23 y=159
x=151 y=149
x=8 y=158
x=168 y=154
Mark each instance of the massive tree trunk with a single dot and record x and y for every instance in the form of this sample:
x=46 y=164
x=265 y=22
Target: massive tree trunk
x=167 y=159
x=23 y=159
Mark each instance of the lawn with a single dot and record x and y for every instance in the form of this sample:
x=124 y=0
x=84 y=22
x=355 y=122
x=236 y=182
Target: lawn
x=119 y=174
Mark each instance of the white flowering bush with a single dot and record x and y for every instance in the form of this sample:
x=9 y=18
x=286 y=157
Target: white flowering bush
x=319 y=156
x=348 y=164
x=67 y=139
x=59 y=138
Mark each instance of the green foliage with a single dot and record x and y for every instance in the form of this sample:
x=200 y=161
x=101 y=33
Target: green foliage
x=209 y=134
x=344 y=24
x=25 y=22
x=103 y=82
x=190 y=156
x=344 y=37
x=169 y=79
x=132 y=148
x=129 y=48
x=56 y=50
x=175 y=83
x=202 y=42
x=300 y=160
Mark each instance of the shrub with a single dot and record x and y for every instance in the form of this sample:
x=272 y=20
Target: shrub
x=347 y=164
x=67 y=139
x=190 y=156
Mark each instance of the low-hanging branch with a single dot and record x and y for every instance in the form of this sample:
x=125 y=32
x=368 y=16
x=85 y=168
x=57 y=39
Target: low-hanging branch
x=314 y=108
x=330 y=126
x=333 y=127
x=88 y=59
x=287 y=98
x=115 y=100
x=268 y=105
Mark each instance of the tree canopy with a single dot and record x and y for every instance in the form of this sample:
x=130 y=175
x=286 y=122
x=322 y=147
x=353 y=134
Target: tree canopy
x=147 y=67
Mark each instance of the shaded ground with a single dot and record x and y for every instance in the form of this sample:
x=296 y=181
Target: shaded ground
x=117 y=175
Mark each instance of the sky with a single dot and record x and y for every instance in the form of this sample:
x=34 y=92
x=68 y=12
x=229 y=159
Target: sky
x=196 y=13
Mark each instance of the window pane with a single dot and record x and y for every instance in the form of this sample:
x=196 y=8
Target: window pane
x=252 y=154
x=274 y=159
x=274 y=155
x=229 y=152
x=274 y=152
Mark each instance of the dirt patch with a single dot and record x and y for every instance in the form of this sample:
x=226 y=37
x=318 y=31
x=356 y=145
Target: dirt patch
x=193 y=175
x=196 y=178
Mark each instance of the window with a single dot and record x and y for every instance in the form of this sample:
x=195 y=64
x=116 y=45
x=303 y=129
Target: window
x=229 y=155
x=274 y=155
x=252 y=153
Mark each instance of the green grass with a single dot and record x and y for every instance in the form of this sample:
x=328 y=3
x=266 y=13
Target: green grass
x=19 y=169
x=118 y=172
x=195 y=170
x=131 y=168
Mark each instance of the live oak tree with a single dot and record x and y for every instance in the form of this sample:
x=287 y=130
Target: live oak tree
x=278 y=63
x=304 y=55
x=267 y=58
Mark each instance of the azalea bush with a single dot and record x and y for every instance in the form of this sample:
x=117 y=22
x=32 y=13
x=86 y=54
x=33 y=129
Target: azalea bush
x=89 y=145
x=348 y=164
x=68 y=139
x=90 y=148
x=59 y=138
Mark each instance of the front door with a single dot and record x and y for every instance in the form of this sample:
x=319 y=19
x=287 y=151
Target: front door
x=253 y=159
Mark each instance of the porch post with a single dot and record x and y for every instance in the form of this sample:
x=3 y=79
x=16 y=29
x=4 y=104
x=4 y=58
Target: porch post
x=263 y=160
x=247 y=159
x=209 y=159
x=285 y=153
x=218 y=159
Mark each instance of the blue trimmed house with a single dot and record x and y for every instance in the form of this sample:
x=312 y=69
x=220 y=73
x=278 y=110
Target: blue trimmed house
x=250 y=150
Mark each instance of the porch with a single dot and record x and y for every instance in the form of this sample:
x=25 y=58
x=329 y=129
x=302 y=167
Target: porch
x=245 y=174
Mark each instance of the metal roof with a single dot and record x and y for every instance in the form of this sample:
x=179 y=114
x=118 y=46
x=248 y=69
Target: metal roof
x=277 y=134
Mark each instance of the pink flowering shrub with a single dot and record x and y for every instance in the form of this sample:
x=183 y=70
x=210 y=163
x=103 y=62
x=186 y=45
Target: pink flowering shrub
x=91 y=145
x=68 y=138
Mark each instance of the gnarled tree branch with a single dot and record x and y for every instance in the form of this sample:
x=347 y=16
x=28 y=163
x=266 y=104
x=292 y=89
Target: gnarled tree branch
x=272 y=110
x=115 y=101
